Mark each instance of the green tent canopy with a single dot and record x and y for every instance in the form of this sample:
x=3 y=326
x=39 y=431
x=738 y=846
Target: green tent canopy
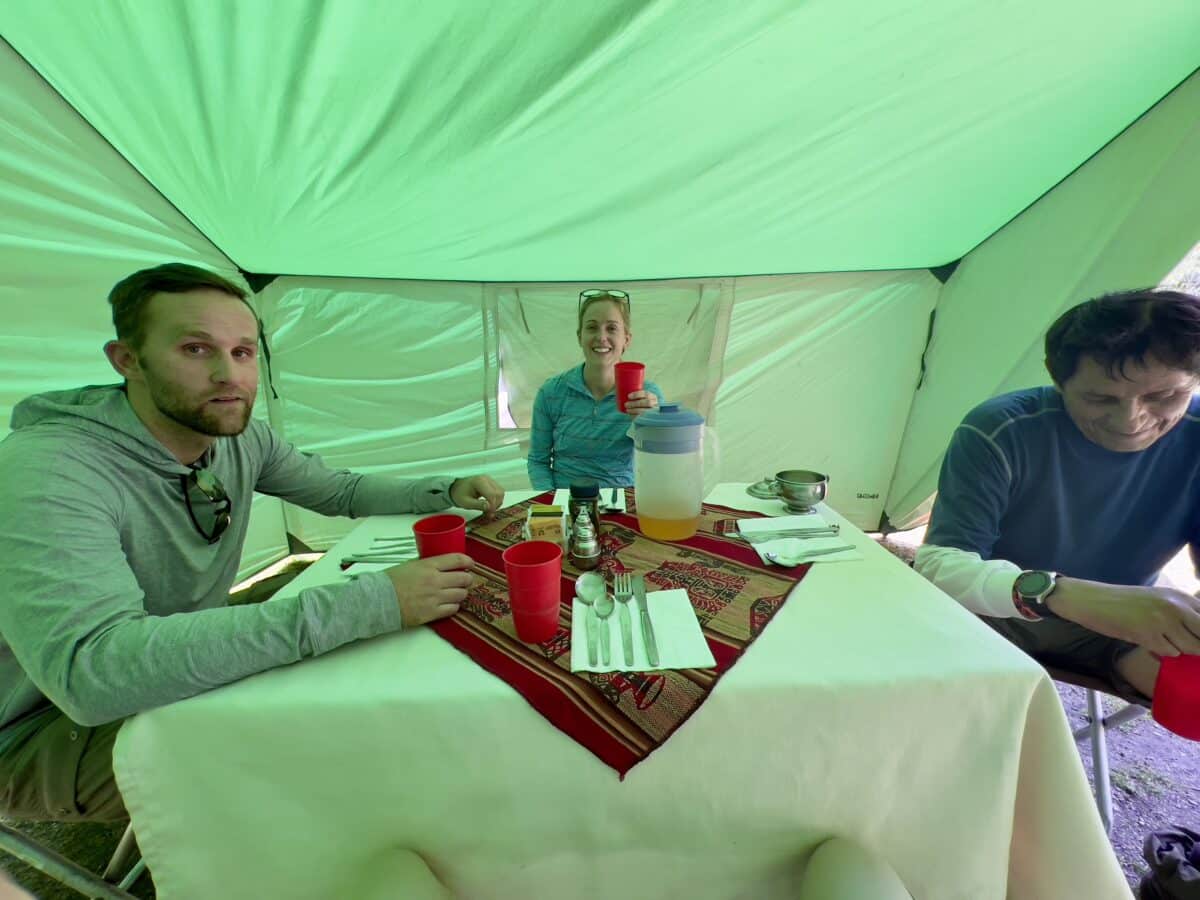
x=842 y=223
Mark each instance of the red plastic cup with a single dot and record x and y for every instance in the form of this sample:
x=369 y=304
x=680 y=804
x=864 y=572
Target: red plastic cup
x=534 y=573
x=631 y=376
x=437 y=535
x=1177 y=695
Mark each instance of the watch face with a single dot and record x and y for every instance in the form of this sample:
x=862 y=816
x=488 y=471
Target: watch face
x=1033 y=584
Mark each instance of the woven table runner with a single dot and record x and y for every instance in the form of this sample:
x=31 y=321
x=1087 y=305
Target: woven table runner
x=621 y=717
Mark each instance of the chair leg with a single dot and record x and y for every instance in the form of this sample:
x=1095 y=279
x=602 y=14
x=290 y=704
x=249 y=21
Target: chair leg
x=57 y=866
x=134 y=874
x=1125 y=714
x=1100 y=773
x=120 y=858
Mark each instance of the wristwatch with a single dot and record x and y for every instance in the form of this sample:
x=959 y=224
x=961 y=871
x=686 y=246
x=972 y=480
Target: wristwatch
x=1030 y=591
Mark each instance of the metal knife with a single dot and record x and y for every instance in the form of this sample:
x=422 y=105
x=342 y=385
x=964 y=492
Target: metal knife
x=639 y=591
x=626 y=631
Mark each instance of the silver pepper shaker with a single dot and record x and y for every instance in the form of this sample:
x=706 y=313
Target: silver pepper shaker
x=585 y=548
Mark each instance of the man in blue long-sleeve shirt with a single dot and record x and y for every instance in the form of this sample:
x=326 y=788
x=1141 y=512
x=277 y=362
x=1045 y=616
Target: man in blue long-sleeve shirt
x=1058 y=506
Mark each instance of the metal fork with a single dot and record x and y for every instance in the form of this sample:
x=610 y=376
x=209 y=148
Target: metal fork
x=623 y=590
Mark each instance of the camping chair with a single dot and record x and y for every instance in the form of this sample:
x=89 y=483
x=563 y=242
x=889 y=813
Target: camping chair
x=1094 y=730
x=56 y=866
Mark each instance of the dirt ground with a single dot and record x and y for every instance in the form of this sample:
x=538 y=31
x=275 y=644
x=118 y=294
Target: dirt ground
x=1154 y=778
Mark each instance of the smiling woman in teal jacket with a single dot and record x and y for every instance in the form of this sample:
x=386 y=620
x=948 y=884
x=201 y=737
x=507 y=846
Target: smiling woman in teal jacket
x=578 y=432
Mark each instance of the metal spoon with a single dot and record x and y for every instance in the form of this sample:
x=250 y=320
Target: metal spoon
x=588 y=587
x=807 y=555
x=603 y=605
x=604 y=609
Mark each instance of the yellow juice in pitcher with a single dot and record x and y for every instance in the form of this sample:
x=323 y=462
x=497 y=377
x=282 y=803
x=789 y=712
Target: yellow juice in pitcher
x=667 y=489
x=668 y=529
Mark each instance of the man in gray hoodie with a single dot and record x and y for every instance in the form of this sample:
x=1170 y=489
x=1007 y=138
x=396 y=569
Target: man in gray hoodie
x=125 y=509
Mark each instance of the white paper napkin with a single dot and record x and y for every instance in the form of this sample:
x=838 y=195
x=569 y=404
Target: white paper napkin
x=677 y=634
x=794 y=551
x=563 y=495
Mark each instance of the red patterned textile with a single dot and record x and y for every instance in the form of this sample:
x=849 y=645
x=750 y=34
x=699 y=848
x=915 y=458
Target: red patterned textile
x=621 y=717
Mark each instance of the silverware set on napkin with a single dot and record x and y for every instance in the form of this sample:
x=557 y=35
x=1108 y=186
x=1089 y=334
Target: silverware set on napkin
x=758 y=538
x=761 y=537
x=593 y=593
x=386 y=550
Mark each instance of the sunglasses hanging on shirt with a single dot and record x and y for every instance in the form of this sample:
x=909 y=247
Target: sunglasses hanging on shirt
x=208 y=506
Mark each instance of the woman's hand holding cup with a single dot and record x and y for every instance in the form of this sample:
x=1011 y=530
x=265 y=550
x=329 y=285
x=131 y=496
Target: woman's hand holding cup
x=639 y=402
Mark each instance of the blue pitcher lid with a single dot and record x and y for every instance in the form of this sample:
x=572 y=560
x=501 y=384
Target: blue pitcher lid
x=669 y=415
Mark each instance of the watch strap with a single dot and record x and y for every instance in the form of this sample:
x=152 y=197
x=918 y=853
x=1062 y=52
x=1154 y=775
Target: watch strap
x=1025 y=611
x=1034 y=609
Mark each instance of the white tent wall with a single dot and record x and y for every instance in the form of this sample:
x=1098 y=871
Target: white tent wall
x=377 y=375
x=392 y=376
x=819 y=374
x=76 y=219
x=1124 y=219
x=680 y=327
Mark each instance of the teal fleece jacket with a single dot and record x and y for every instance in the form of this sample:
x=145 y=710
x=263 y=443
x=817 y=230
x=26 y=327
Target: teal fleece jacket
x=113 y=603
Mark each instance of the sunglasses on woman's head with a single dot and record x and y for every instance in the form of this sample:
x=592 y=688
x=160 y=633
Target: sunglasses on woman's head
x=618 y=296
x=212 y=504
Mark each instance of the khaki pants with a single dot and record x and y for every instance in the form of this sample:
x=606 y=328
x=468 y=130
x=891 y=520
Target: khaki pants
x=55 y=770
x=1067 y=645
x=58 y=771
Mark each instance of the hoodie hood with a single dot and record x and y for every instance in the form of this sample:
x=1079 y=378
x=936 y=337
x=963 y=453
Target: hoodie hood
x=101 y=410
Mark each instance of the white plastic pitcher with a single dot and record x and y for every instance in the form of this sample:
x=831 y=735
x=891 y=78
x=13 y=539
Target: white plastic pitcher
x=668 y=471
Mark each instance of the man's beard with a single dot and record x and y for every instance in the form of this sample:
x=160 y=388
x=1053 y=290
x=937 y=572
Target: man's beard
x=171 y=403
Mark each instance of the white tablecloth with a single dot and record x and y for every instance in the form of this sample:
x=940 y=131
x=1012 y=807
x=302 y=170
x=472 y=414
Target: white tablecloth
x=873 y=706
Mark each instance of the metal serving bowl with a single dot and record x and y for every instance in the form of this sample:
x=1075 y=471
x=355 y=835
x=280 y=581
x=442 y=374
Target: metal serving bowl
x=801 y=489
